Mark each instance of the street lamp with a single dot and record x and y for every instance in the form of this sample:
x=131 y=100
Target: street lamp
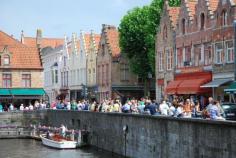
x=149 y=83
x=125 y=130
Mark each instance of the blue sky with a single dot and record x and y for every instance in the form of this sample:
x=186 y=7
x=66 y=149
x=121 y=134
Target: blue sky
x=59 y=17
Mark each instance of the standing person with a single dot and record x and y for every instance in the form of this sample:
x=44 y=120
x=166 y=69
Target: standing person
x=68 y=106
x=196 y=112
x=21 y=107
x=141 y=107
x=211 y=101
x=11 y=107
x=92 y=107
x=73 y=105
x=63 y=130
x=187 y=108
x=36 y=105
x=126 y=107
x=31 y=107
x=215 y=112
x=150 y=107
x=164 y=108
x=116 y=106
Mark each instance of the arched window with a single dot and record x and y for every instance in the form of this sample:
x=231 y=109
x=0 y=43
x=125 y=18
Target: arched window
x=202 y=21
x=183 y=26
x=6 y=59
x=224 y=18
x=165 y=32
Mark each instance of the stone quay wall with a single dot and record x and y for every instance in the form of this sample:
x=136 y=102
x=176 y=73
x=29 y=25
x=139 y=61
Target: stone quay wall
x=148 y=136
x=153 y=136
x=20 y=124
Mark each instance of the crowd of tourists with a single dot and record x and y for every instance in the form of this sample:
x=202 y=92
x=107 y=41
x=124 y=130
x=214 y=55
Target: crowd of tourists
x=178 y=107
x=36 y=106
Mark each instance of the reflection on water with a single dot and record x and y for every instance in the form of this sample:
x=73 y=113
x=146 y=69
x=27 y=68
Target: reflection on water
x=27 y=148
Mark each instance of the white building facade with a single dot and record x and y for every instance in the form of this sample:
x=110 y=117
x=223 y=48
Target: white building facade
x=51 y=59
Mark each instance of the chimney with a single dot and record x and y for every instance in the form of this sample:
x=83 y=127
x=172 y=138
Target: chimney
x=39 y=38
x=22 y=38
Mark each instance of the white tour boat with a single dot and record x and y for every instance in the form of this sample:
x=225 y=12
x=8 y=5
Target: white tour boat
x=59 y=142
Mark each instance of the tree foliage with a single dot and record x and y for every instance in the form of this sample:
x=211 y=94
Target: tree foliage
x=137 y=36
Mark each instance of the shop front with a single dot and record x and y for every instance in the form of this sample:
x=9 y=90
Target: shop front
x=218 y=86
x=190 y=84
x=18 y=96
x=231 y=91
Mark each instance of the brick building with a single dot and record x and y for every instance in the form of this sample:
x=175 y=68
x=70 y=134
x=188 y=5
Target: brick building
x=114 y=78
x=223 y=46
x=21 y=72
x=165 y=48
x=204 y=54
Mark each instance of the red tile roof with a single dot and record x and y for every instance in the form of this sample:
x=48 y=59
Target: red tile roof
x=45 y=42
x=112 y=37
x=234 y=1
x=191 y=5
x=22 y=56
x=213 y=4
x=5 y=39
x=86 y=40
x=97 y=38
x=174 y=14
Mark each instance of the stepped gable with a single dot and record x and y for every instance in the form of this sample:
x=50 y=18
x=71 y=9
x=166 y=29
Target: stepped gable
x=212 y=6
x=86 y=42
x=112 y=39
x=69 y=46
x=190 y=5
x=94 y=41
x=21 y=56
x=174 y=14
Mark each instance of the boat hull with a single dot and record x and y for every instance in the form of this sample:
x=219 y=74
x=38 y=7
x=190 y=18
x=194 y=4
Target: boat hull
x=63 y=144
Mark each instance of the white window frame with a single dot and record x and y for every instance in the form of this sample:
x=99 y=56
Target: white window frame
x=220 y=51
x=160 y=63
x=229 y=52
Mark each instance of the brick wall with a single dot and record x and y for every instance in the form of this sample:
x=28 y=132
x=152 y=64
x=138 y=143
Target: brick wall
x=36 y=78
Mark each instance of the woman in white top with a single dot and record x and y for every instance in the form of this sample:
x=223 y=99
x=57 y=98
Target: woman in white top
x=21 y=107
x=164 y=108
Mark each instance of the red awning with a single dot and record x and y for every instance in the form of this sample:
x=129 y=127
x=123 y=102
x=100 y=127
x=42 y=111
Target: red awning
x=192 y=86
x=173 y=86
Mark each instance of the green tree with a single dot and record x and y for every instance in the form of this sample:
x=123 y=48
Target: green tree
x=137 y=37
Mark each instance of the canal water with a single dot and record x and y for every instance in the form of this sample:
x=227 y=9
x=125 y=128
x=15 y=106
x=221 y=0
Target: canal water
x=28 y=148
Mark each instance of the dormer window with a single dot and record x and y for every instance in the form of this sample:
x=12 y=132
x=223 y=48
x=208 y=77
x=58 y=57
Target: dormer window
x=224 y=18
x=6 y=59
x=202 y=21
x=183 y=26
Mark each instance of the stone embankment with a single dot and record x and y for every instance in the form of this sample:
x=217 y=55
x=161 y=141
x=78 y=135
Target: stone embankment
x=146 y=136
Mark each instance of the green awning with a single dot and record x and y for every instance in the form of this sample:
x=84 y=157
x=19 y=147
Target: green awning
x=27 y=91
x=4 y=91
x=231 y=88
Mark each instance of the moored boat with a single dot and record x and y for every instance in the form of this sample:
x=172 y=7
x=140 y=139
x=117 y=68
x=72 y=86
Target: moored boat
x=58 y=142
